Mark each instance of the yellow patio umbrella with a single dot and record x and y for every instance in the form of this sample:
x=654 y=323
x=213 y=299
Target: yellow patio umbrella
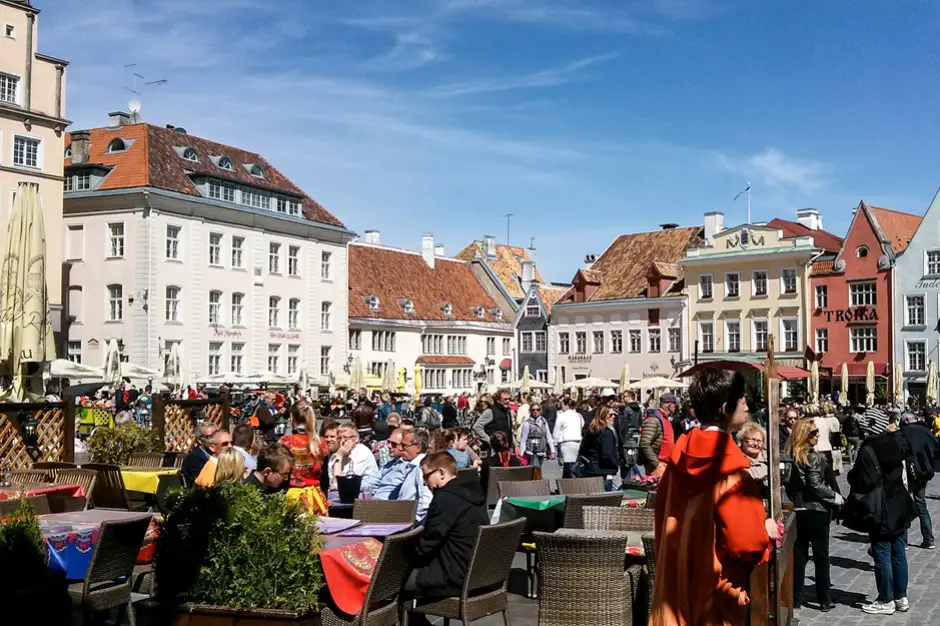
x=624 y=378
x=870 y=384
x=25 y=322
x=899 y=384
x=814 y=383
x=526 y=387
x=401 y=380
x=844 y=385
x=932 y=384
x=559 y=389
x=417 y=381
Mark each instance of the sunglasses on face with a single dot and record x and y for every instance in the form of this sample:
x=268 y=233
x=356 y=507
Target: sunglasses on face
x=429 y=474
x=393 y=444
x=814 y=433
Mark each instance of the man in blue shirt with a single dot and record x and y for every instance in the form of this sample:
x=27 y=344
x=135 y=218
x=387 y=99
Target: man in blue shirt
x=414 y=449
x=387 y=483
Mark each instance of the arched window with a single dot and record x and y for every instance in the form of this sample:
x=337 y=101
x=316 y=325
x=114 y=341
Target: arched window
x=190 y=154
x=225 y=163
x=257 y=171
x=68 y=152
x=861 y=252
x=117 y=145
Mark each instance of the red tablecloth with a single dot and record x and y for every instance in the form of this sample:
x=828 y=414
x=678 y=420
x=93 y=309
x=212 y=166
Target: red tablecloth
x=348 y=570
x=75 y=491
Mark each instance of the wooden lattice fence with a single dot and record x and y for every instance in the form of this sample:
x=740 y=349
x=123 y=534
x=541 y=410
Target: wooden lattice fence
x=31 y=432
x=177 y=420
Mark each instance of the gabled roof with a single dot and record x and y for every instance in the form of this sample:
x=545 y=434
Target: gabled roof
x=549 y=295
x=624 y=264
x=507 y=264
x=821 y=238
x=394 y=275
x=898 y=227
x=152 y=160
x=667 y=270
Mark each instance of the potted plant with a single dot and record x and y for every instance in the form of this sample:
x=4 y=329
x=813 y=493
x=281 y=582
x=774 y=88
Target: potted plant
x=228 y=555
x=115 y=445
x=643 y=483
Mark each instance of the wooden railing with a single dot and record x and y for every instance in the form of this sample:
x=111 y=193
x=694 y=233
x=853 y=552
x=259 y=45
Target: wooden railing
x=177 y=420
x=36 y=431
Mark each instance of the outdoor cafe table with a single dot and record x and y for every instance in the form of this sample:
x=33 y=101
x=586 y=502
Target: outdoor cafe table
x=145 y=479
x=633 y=541
x=71 y=538
x=36 y=489
x=547 y=513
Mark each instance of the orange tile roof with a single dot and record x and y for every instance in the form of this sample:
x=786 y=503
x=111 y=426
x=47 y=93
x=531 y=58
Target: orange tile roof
x=507 y=264
x=394 y=275
x=625 y=263
x=824 y=267
x=150 y=160
x=550 y=295
x=898 y=227
x=444 y=360
x=821 y=238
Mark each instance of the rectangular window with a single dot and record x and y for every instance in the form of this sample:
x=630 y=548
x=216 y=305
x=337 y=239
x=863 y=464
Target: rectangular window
x=540 y=343
x=237 y=359
x=115 y=303
x=68 y=183
x=707 y=336
x=8 y=87
x=507 y=346
x=822 y=297
x=533 y=309
x=598 y=341
x=274 y=353
x=863 y=339
x=580 y=343
x=822 y=340
x=75 y=244
x=616 y=342
x=215 y=358
x=564 y=343
x=655 y=336
x=221 y=191
x=733 y=336
x=274 y=310
x=760 y=335
x=293 y=356
x=791 y=334
x=82 y=182
x=916 y=356
x=863 y=294
x=282 y=205
x=215 y=249
x=759 y=283
x=355 y=339
x=215 y=190
x=916 y=310
x=274 y=258
x=173 y=242
x=705 y=286
x=732 y=285
x=293 y=260
x=25 y=151
x=527 y=342
x=115 y=241
x=675 y=339
x=238 y=247
x=491 y=346
x=788 y=276
x=75 y=351
x=636 y=342
x=238 y=305
x=326 y=272
x=172 y=304
x=325 y=310
x=933 y=262
x=256 y=199
x=293 y=313
x=215 y=307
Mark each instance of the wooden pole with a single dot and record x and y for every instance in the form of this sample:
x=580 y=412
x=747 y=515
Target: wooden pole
x=226 y=407
x=772 y=400
x=158 y=415
x=69 y=441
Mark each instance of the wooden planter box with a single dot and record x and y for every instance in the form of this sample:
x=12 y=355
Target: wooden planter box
x=151 y=613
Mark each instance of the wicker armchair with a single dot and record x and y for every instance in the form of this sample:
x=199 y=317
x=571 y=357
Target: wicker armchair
x=146 y=459
x=107 y=584
x=594 y=484
x=651 y=500
x=39 y=504
x=484 y=589
x=468 y=476
x=84 y=477
x=649 y=547
x=28 y=476
x=381 y=606
x=52 y=468
x=109 y=487
x=574 y=506
x=385 y=511
x=610 y=518
x=513 y=488
x=581 y=580
x=504 y=474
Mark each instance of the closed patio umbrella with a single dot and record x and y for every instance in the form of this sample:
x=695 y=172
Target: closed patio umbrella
x=624 y=378
x=25 y=322
x=559 y=389
x=417 y=381
x=391 y=381
x=525 y=387
x=172 y=372
x=112 y=363
x=401 y=380
x=357 y=378
x=899 y=384
x=814 y=383
x=870 y=384
x=932 y=384
x=844 y=385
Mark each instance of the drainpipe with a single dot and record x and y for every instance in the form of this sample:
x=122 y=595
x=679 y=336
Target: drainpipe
x=148 y=215
x=59 y=70
x=28 y=79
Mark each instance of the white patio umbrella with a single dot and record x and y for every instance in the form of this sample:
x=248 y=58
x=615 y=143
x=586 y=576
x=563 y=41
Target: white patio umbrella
x=624 y=378
x=132 y=370
x=357 y=378
x=525 y=387
x=532 y=384
x=658 y=382
x=559 y=389
x=870 y=384
x=844 y=385
x=592 y=383
x=899 y=384
x=303 y=380
x=112 y=364
x=389 y=377
x=932 y=384
x=63 y=368
x=172 y=373
x=814 y=383
x=25 y=322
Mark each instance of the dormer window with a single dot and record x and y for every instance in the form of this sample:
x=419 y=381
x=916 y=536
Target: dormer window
x=373 y=302
x=448 y=309
x=68 y=152
x=225 y=163
x=256 y=170
x=408 y=306
x=190 y=154
x=116 y=145
x=861 y=252
x=480 y=311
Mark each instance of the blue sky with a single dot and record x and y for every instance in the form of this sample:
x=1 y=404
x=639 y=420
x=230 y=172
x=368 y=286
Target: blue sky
x=583 y=118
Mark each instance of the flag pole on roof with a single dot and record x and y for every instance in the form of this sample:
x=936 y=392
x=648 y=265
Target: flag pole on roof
x=748 y=192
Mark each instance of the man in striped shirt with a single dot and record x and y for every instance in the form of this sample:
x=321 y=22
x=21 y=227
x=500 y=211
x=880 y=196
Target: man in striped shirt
x=875 y=421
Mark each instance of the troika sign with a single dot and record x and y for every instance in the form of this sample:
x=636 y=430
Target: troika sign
x=858 y=314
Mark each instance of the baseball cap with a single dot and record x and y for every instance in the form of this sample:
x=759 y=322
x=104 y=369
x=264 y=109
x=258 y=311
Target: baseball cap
x=667 y=398
x=608 y=393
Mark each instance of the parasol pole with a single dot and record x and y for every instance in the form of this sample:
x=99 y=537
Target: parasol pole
x=772 y=398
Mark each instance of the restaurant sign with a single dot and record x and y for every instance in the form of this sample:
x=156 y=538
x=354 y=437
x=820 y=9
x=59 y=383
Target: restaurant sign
x=858 y=314
x=928 y=284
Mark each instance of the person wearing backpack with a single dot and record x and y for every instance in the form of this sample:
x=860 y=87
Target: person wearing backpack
x=627 y=425
x=429 y=417
x=924 y=449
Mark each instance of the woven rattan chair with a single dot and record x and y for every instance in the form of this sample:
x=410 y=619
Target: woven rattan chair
x=84 y=477
x=28 y=476
x=581 y=581
x=385 y=511
x=513 y=488
x=468 y=476
x=651 y=500
x=484 y=589
x=109 y=487
x=611 y=518
x=107 y=584
x=594 y=484
x=574 y=505
x=649 y=547
x=52 y=468
x=146 y=459
x=504 y=474
x=39 y=504
x=381 y=606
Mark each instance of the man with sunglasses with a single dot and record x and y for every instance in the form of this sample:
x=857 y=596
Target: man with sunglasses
x=220 y=440
x=386 y=485
x=199 y=455
x=414 y=451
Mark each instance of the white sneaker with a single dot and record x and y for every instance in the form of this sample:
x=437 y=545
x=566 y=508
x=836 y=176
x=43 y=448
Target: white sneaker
x=879 y=608
x=902 y=605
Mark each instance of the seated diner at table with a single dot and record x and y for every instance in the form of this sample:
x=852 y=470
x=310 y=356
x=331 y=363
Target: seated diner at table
x=199 y=455
x=351 y=457
x=414 y=451
x=229 y=467
x=386 y=485
x=219 y=441
x=243 y=440
x=274 y=466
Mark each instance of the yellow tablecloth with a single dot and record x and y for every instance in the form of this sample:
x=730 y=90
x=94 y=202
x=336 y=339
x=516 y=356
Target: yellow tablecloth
x=144 y=480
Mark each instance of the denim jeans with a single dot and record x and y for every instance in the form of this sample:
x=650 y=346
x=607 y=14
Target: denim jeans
x=926 y=526
x=890 y=567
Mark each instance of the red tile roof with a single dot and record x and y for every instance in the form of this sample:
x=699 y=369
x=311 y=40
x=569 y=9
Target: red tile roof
x=445 y=360
x=394 y=275
x=898 y=227
x=507 y=264
x=821 y=238
x=150 y=160
x=550 y=295
x=824 y=267
x=624 y=265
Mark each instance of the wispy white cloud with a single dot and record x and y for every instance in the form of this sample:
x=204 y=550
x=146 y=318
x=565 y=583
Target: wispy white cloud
x=775 y=168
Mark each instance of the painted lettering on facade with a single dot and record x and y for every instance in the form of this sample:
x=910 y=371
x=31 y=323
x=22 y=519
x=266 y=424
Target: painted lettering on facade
x=858 y=314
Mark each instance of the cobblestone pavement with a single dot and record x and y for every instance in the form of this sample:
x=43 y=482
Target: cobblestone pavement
x=853 y=578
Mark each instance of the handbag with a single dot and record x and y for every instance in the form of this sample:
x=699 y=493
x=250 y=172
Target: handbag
x=579 y=467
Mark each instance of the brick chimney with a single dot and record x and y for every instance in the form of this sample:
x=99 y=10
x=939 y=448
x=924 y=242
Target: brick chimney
x=80 y=147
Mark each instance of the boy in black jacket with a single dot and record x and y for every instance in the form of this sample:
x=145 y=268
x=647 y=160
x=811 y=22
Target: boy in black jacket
x=450 y=532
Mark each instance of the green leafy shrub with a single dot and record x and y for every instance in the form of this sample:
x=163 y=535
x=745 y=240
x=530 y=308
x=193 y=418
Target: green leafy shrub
x=21 y=543
x=231 y=546
x=115 y=445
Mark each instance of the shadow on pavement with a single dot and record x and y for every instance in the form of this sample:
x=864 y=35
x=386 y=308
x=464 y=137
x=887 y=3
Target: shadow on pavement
x=847 y=563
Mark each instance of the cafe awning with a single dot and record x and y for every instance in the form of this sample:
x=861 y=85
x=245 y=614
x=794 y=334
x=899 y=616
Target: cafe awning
x=784 y=372
x=505 y=364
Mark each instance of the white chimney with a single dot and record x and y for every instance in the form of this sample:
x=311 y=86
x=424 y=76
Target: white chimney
x=528 y=275
x=118 y=118
x=810 y=218
x=372 y=236
x=427 y=249
x=438 y=250
x=489 y=246
x=714 y=224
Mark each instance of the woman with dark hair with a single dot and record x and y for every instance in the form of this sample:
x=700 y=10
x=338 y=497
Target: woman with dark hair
x=600 y=448
x=501 y=456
